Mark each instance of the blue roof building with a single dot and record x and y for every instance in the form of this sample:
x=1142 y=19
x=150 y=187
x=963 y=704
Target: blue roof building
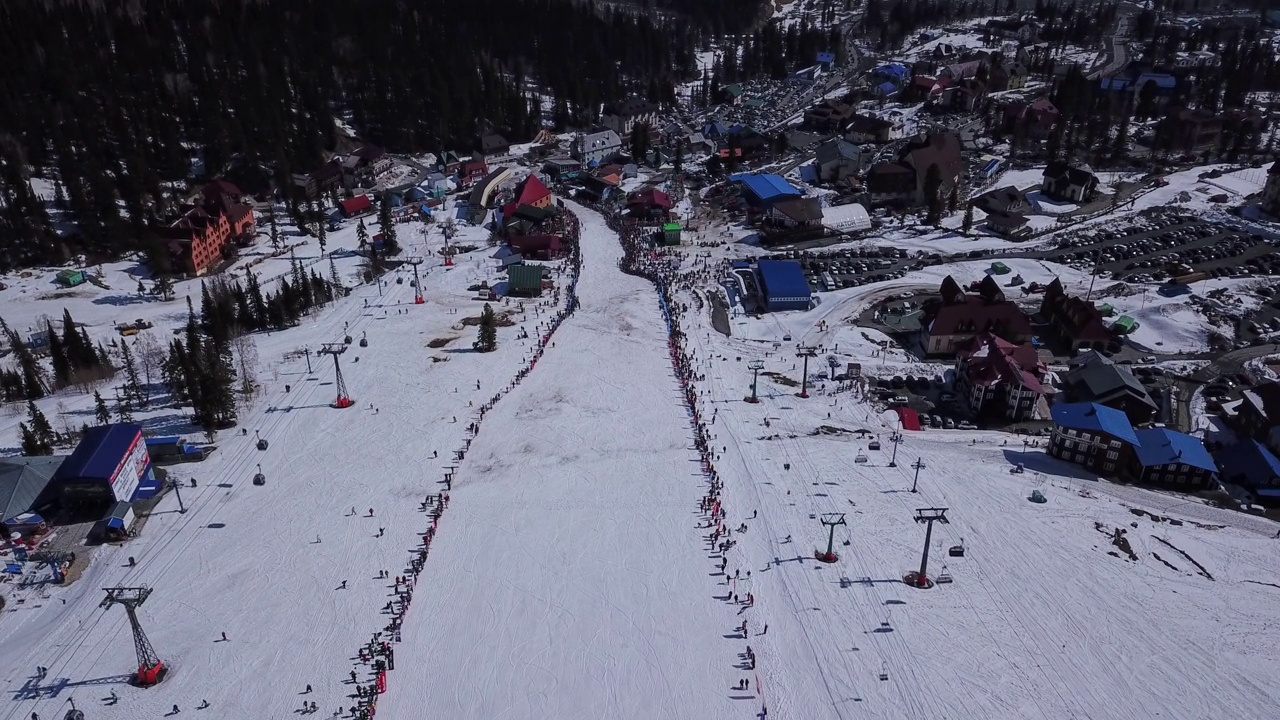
x=825 y=58
x=1095 y=436
x=1249 y=464
x=764 y=189
x=1168 y=457
x=110 y=464
x=783 y=285
x=1095 y=418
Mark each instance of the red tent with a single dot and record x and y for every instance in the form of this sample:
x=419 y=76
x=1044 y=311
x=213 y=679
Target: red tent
x=910 y=418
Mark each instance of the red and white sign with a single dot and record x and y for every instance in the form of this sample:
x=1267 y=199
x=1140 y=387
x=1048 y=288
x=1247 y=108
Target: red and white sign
x=132 y=468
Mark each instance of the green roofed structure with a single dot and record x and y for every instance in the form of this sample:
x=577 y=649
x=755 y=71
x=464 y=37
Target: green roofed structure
x=71 y=278
x=1124 y=325
x=671 y=233
x=525 y=280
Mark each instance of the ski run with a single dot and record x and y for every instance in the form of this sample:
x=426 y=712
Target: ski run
x=591 y=523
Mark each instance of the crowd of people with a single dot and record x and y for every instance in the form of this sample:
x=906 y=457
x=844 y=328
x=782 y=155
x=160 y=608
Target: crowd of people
x=663 y=267
x=377 y=657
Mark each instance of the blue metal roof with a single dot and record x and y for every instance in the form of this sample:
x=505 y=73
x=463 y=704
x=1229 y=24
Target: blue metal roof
x=99 y=452
x=766 y=187
x=1162 y=446
x=783 y=280
x=1097 y=418
x=166 y=440
x=1249 y=461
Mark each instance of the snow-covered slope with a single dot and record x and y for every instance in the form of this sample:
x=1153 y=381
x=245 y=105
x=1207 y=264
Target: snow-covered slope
x=570 y=577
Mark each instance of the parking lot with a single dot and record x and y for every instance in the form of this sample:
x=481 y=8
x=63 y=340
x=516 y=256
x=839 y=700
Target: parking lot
x=1169 y=245
x=851 y=268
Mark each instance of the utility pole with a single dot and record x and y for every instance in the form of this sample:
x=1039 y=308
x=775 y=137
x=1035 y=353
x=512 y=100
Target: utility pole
x=918 y=465
x=928 y=516
x=175 y=485
x=307 y=352
x=895 y=439
x=150 y=669
x=805 y=352
x=831 y=520
x=755 y=366
x=417 y=284
x=343 y=399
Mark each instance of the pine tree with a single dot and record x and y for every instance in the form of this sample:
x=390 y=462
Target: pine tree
x=41 y=428
x=100 y=410
x=123 y=413
x=968 y=219
x=321 y=234
x=275 y=229
x=362 y=234
x=31 y=445
x=487 y=341
x=134 y=394
x=163 y=287
x=33 y=384
x=58 y=355
x=334 y=278
x=386 y=224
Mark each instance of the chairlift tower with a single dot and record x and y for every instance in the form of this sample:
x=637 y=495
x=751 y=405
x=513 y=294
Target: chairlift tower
x=150 y=669
x=805 y=352
x=417 y=284
x=918 y=465
x=831 y=520
x=755 y=366
x=343 y=400
x=929 y=516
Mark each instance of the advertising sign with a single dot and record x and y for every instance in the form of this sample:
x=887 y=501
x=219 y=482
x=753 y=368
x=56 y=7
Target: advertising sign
x=132 y=468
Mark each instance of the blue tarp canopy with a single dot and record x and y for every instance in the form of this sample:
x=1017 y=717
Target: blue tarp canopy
x=99 y=452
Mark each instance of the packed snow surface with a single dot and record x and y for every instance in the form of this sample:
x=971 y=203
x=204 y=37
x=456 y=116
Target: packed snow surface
x=570 y=577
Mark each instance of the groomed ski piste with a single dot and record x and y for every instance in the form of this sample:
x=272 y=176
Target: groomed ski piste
x=574 y=575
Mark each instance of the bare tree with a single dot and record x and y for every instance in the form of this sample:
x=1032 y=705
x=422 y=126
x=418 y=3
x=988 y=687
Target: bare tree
x=149 y=354
x=245 y=351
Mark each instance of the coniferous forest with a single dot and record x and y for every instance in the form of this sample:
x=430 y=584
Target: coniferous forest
x=121 y=102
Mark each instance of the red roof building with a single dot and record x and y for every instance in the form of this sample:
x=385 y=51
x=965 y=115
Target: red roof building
x=539 y=247
x=649 y=203
x=531 y=191
x=997 y=377
x=357 y=205
x=471 y=172
x=960 y=317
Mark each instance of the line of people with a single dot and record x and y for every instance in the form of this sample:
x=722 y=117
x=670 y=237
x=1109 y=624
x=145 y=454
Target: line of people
x=377 y=657
x=662 y=267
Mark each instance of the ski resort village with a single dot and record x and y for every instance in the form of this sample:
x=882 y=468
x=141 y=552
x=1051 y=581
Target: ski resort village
x=884 y=359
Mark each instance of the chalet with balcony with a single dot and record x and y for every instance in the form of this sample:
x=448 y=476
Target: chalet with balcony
x=1000 y=379
x=1096 y=436
x=960 y=317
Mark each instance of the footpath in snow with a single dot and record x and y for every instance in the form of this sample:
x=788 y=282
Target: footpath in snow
x=570 y=580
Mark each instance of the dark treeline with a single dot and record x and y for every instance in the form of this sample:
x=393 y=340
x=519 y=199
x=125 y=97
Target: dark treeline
x=115 y=100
